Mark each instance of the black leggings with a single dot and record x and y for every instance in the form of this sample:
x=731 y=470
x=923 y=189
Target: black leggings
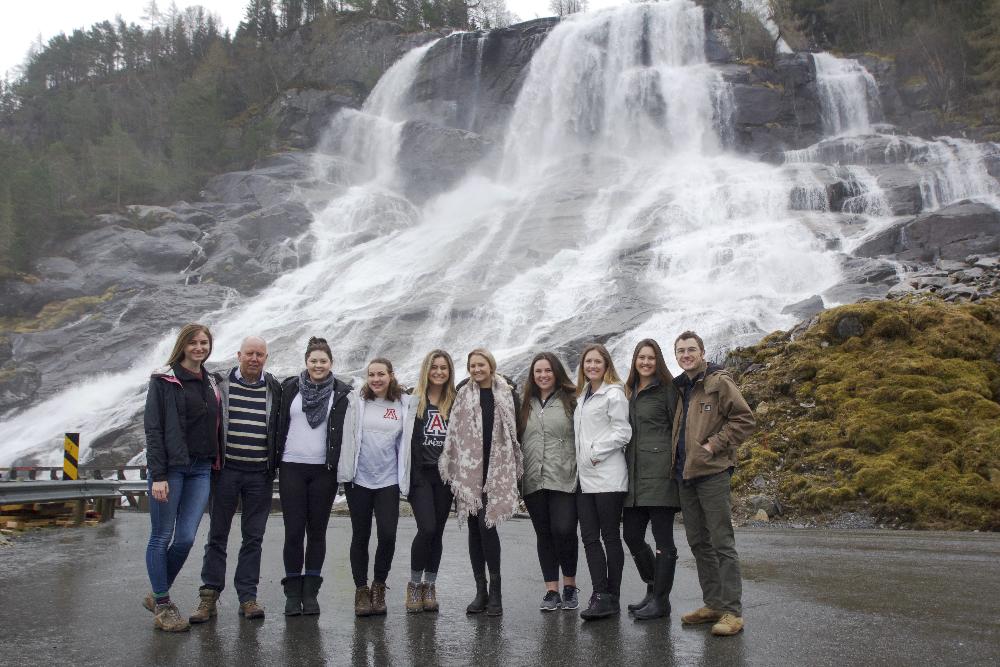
x=553 y=514
x=634 y=523
x=364 y=503
x=484 y=545
x=600 y=521
x=430 y=499
x=307 y=491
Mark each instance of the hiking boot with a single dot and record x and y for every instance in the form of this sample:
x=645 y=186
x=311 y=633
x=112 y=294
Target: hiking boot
x=149 y=602
x=570 y=598
x=207 y=599
x=702 y=615
x=551 y=601
x=430 y=597
x=494 y=603
x=663 y=582
x=414 y=597
x=167 y=618
x=293 y=595
x=310 y=591
x=478 y=604
x=602 y=605
x=729 y=624
x=250 y=610
x=378 y=598
x=362 y=601
x=644 y=563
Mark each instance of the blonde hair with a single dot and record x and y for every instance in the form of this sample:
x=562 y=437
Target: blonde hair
x=184 y=336
x=485 y=355
x=610 y=375
x=447 y=395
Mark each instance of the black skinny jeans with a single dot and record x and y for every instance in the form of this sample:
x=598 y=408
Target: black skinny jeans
x=307 y=491
x=553 y=515
x=600 y=521
x=430 y=500
x=484 y=545
x=634 y=523
x=383 y=504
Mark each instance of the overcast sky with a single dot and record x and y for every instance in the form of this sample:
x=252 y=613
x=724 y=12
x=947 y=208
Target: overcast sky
x=25 y=21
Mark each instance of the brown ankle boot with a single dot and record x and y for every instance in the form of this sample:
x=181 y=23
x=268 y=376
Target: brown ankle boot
x=378 y=598
x=430 y=597
x=167 y=618
x=207 y=599
x=414 y=597
x=250 y=610
x=362 y=601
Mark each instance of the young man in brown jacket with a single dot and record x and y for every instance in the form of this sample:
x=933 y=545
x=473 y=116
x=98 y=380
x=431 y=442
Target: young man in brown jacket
x=711 y=420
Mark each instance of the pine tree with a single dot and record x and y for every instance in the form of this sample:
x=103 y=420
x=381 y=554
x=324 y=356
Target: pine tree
x=986 y=41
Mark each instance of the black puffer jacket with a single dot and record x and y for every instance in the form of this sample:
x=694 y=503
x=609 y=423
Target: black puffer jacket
x=334 y=421
x=164 y=420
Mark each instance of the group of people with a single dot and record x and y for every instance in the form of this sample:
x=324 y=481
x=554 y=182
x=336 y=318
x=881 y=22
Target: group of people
x=610 y=457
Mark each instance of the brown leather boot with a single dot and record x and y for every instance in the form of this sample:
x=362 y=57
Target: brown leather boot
x=414 y=597
x=167 y=618
x=362 y=601
x=378 y=598
x=250 y=610
x=430 y=598
x=207 y=599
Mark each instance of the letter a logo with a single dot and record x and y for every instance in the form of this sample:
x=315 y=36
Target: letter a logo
x=390 y=413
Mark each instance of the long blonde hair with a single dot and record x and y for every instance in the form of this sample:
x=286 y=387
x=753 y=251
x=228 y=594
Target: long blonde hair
x=184 y=336
x=610 y=375
x=447 y=396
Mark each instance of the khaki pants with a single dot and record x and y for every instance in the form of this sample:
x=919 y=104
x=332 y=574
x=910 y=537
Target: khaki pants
x=709 y=527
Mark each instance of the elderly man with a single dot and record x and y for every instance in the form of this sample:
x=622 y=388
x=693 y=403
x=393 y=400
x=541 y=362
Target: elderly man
x=250 y=398
x=711 y=421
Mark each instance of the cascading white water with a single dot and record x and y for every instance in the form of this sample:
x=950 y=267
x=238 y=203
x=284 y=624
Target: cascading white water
x=848 y=95
x=762 y=10
x=617 y=212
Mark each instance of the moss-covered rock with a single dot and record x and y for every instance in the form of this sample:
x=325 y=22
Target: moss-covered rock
x=901 y=418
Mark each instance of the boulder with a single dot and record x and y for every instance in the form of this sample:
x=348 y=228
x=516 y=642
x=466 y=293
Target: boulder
x=806 y=308
x=756 y=105
x=849 y=326
x=951 y=232
x=900 y=184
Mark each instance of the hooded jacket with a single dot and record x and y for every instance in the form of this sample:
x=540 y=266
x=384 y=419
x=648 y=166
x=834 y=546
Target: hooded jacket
x=335 y=421
x=718 y=417
x=602 y=432
x=548 y=447
x=273 y=409
x=351 y=449
x=649 y=453
x=164 y=420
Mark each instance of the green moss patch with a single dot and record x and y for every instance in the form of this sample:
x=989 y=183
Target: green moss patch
x=55 y=314
x=902 y=420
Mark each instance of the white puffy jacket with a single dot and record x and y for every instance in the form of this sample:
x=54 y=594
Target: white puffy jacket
x=602 y=431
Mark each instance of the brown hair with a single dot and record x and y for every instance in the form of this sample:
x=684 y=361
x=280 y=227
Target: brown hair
x=661 y=374
x=184 y=336
x=690 y=334
x=448 y=395
x=610 y=375
x=393 y=393
x=568 y=395
x=318 y=344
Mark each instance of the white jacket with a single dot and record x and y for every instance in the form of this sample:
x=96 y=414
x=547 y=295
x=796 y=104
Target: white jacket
x=602 y=431
x=350 y=447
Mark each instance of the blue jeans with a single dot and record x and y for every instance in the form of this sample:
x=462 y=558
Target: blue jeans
x=174 y=523
x=254 y=490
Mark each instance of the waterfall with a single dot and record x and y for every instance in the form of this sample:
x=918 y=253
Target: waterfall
x=848 y=95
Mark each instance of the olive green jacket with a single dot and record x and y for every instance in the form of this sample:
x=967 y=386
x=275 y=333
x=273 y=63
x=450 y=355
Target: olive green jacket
x=649 y=454
x=549 y=448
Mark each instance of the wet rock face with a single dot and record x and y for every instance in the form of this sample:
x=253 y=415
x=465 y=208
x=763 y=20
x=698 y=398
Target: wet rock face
x=952 y=232
x=432 y=159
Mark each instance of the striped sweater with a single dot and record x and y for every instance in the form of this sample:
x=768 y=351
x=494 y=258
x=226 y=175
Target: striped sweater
x=246 y=439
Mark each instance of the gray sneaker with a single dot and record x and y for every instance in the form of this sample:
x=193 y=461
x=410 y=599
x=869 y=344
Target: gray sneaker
x=551 y=601
x=570 y=597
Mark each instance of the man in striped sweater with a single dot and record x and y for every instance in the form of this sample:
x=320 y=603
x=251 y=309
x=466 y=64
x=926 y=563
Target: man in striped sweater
x=251 y=398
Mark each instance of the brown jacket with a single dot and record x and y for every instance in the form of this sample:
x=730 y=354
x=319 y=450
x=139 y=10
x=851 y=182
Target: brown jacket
x=718 y=416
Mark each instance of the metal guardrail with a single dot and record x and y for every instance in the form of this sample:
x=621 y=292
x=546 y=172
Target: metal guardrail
x=12 y=493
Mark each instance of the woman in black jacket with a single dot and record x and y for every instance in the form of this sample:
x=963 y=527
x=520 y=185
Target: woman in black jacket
x=652 y=496
x=183 y=430
x=310 y=430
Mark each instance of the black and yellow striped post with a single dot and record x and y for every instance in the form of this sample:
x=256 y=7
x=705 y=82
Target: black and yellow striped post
x=71 y=456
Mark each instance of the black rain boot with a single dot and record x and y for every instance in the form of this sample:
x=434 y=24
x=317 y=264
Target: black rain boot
x=602 y=605
x=645 y=564
x=659 y=606
x=293 y=595
x=310 y=591
x=478 y=604
x=494 y=607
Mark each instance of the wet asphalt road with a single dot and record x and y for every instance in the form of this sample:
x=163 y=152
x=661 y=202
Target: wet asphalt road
x=811 y=598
